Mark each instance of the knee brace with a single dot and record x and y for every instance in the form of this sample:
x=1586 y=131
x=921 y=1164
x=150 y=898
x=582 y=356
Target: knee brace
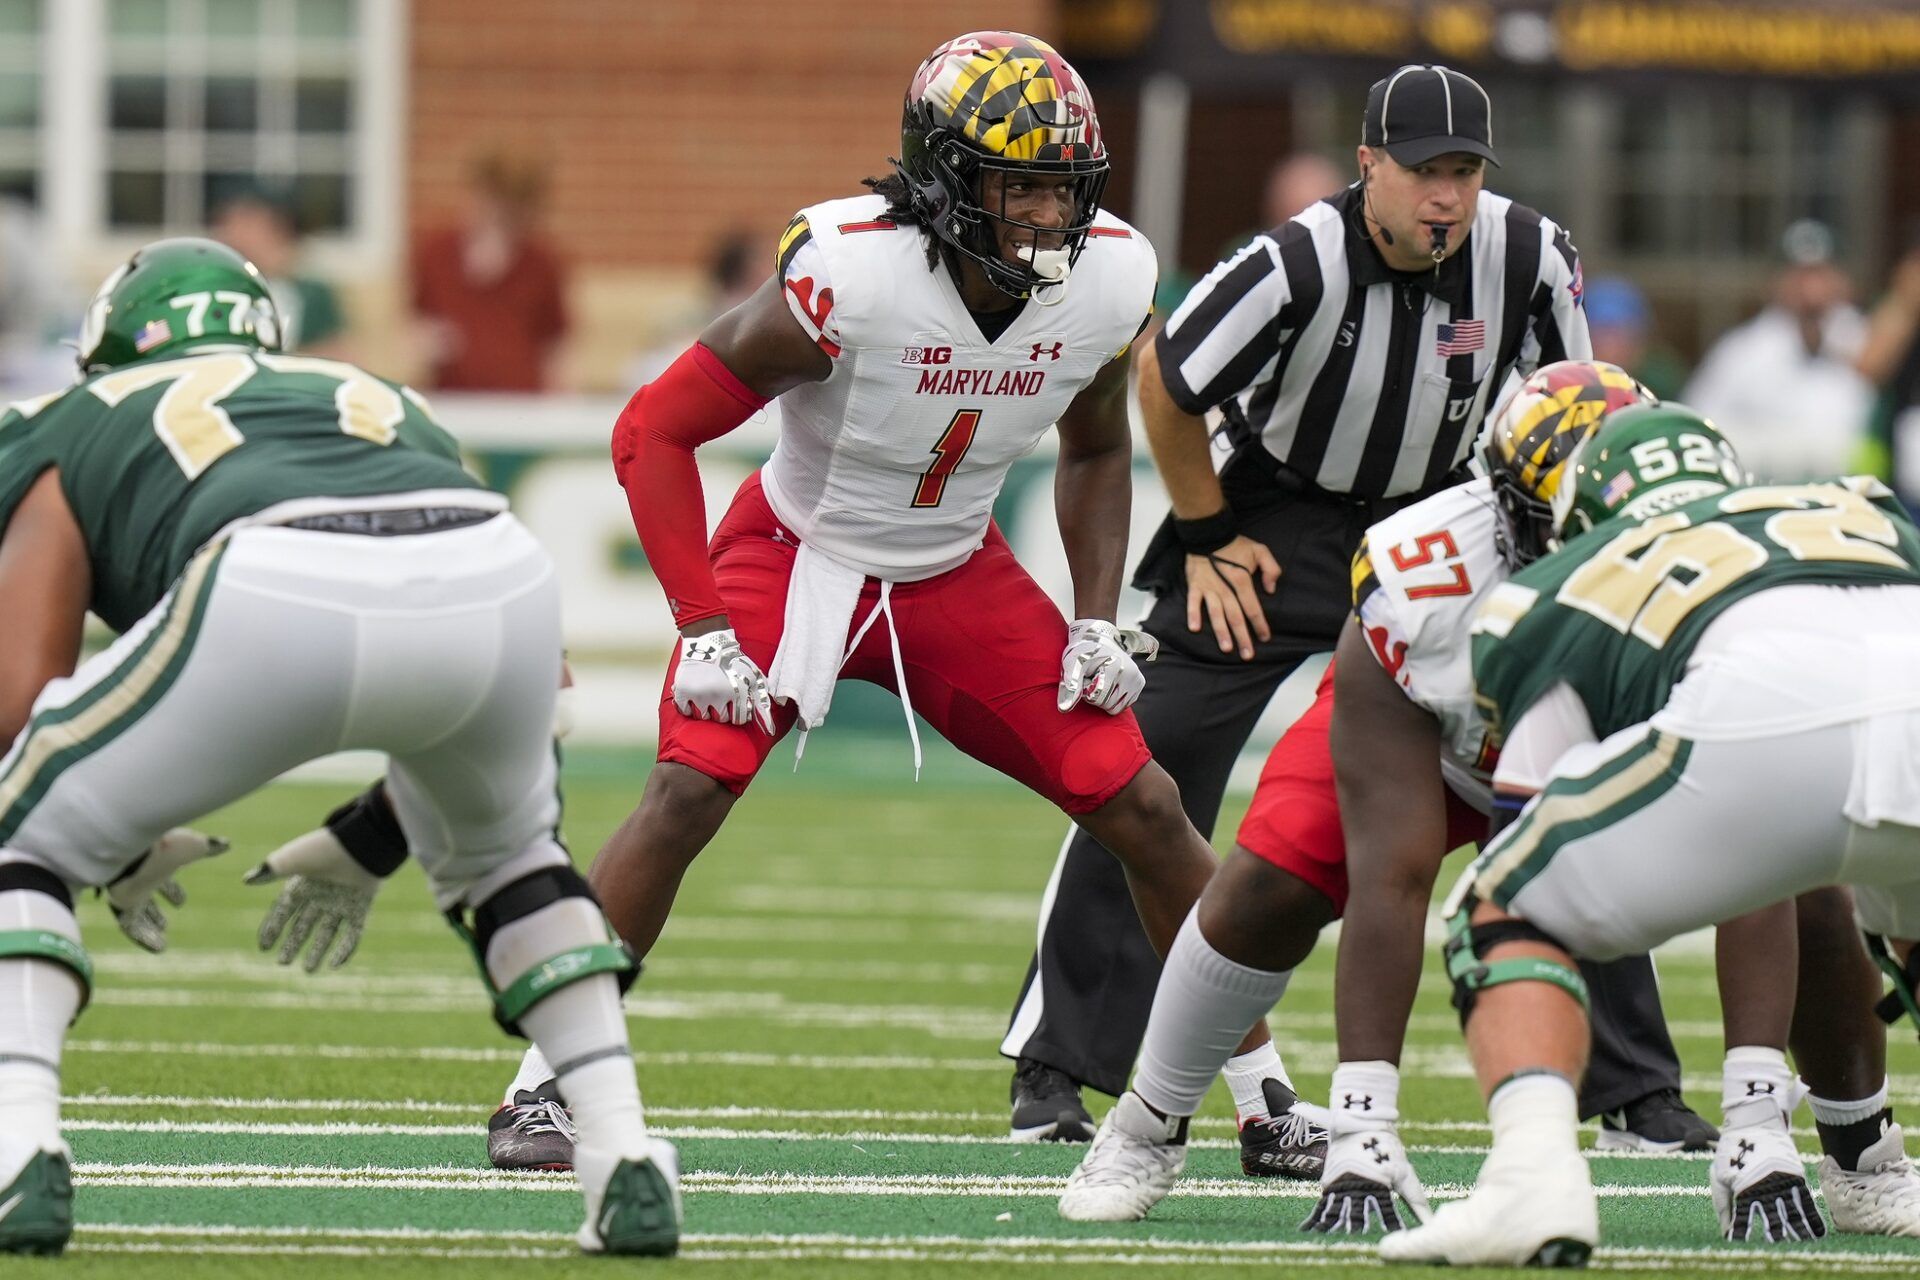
x=1467 y=943
x=1902 y=999
x=518 y=900
x=44 y=944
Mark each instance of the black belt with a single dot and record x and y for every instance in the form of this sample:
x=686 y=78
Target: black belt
x=393 y=524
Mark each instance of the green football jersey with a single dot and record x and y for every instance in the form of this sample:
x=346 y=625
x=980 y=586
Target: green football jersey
x=155 y=459
x=1616 y=612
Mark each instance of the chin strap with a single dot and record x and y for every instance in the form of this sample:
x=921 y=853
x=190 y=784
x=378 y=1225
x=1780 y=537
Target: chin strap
x=1052 y=266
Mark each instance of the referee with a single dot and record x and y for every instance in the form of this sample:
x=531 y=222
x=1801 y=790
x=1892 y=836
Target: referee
x=1353 y=351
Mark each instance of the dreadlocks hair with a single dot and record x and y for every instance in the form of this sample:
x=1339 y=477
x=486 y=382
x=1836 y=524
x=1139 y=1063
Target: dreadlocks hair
x=900 y=210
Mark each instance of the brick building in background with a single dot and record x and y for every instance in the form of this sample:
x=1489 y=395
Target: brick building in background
x=668 y=124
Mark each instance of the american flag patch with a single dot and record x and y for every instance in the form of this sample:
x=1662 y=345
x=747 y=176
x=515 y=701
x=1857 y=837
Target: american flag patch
x=1617 y=488
x=1460 y=338
x=151 y=335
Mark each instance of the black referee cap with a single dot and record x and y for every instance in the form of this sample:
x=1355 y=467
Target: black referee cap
x=1420 y=112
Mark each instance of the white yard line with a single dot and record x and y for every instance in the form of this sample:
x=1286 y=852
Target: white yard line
x=1054 y=1248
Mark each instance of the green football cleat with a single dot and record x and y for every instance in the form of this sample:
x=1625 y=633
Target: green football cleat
x=639 y=1213
x=36 y=1208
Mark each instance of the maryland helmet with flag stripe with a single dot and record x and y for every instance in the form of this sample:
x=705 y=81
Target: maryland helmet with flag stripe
x=1535 y=429
x=999 y=101
x=174 y=296
x=1642 y=462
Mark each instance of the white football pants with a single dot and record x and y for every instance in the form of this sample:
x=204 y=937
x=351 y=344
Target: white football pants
x=281 y=645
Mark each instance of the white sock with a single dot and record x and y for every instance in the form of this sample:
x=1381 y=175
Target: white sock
x=534 y=1071
x=579 y=1028
x=1201 y=1012
x=38 y=1000
x=1829 y=1112
x=1756 y=1088
x=1365 y=1093
x=1246 y=1071
x=1539 y=1108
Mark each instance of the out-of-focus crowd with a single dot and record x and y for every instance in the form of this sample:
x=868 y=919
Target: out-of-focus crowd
x=1812 y=385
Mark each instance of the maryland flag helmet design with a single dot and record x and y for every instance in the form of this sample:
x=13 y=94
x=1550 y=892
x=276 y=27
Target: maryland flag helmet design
x=999 y=101
x=1533 y=433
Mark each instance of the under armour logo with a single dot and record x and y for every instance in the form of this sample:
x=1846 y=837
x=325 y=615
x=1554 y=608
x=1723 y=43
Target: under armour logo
x=1363 y=1103
x=1052 y=353
x=1379 y=1156
x=1746 y=1149
x=1345 y=337
x=1759 y=1088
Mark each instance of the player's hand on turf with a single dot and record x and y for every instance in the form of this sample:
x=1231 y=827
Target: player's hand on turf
x=714 y=680
x=1099 y=668
x=1366 y=1167
x=324 y=901
x=1220 y=593
x=132 y=895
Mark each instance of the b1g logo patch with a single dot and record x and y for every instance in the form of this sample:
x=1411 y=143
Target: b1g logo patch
x=927 y=355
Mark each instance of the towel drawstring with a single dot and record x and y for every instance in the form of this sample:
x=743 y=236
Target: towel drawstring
x=883 y=606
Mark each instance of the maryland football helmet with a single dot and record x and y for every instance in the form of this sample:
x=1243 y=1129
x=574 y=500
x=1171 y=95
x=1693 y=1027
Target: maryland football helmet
x=173 y=296
x=1642 y=462
x=1000 y=101
x=1534 y=430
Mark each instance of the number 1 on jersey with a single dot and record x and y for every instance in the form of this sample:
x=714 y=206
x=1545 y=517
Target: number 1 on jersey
x=953 y=446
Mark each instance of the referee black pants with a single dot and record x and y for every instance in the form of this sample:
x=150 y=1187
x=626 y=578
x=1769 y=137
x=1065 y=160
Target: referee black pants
x=1083 y=1007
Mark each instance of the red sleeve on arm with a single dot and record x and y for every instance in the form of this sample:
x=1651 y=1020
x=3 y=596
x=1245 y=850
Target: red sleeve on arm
x=696 y=400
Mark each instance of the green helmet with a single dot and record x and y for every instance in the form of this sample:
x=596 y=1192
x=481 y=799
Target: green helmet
x=173 y=296
x=1643 y=461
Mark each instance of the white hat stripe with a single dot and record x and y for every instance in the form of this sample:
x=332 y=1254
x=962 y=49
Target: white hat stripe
x=1386 y=106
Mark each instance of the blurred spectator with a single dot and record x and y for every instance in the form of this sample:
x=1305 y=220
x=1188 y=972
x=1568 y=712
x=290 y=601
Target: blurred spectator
x=1297 y=181
x=1783 y=386
x=262 y=230
x=741 y=263
x=37 y=311
x=1890 y=359
x=490 y=293
x=1622 y=327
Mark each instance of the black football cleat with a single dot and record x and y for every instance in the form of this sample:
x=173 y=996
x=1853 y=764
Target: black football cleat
x=533 y=1131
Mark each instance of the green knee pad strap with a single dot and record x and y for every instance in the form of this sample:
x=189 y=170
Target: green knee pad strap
x=1471 y=975
x=559 y=971
x=44 y=944
x=550 y=975
x=1902 y=999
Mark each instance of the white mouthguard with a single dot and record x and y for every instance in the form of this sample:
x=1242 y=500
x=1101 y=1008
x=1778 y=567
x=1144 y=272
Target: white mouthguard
x=1052 y=266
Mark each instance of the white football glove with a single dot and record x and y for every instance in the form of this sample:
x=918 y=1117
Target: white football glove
x=132 y=895
x=1366 y=1167
x=716 y=681
x=1098 y=666
x=325 y=901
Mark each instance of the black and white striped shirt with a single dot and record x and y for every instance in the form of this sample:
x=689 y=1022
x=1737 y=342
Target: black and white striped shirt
x=1360 y=378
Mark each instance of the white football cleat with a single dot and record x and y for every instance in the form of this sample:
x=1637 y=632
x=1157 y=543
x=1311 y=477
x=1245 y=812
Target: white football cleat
x=633 y=1203
x=1532 y=1206
x=1882 y=1198
x=1760 y=1189
x=1129 y=1168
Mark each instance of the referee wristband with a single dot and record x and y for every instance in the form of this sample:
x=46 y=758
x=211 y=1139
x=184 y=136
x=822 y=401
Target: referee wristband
x=1207 y=534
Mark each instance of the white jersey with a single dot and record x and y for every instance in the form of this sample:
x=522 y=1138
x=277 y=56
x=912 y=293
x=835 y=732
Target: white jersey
x=892 y=464
x=1417 y=578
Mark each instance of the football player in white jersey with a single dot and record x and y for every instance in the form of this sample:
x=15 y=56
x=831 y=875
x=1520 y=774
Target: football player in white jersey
x=1398 y=698
x=919 y=339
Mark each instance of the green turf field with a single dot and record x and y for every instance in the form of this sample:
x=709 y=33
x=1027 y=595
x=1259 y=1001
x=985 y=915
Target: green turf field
x=817 y=1031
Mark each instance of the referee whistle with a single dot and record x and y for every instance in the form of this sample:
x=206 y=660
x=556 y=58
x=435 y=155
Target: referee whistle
x=1439 y=249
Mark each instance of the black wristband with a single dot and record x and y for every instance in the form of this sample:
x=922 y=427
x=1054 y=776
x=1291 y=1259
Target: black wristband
x=366 y=827
x=1208 y=533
